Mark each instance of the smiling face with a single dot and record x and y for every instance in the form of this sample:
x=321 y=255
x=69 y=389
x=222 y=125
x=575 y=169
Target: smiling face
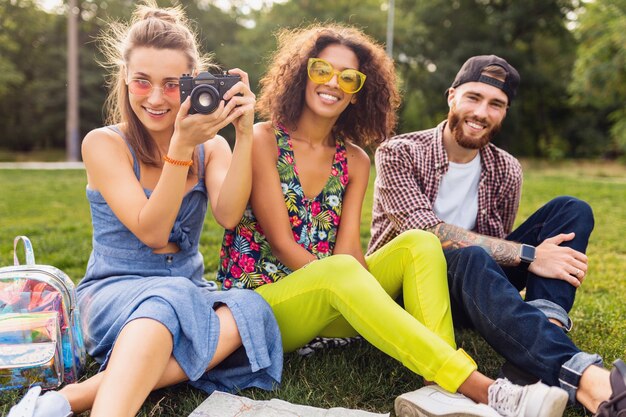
x=328 y=100
x=476 y=113
x=156 y=111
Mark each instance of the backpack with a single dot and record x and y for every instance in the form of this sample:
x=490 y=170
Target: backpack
x=41 y=342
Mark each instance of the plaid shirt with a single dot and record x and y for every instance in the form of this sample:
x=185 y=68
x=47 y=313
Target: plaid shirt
x=409 y=170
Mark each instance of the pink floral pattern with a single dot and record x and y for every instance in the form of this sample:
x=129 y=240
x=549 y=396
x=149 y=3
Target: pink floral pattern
x=246 y=259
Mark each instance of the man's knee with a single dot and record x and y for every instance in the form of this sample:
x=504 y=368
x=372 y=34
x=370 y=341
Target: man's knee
x=580 y=208
x=466 y=267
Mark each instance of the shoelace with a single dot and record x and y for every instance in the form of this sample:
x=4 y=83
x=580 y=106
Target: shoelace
x=505 y=397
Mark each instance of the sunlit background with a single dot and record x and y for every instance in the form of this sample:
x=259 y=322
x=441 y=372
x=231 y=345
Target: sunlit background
x=570 y=54
x=57 y=5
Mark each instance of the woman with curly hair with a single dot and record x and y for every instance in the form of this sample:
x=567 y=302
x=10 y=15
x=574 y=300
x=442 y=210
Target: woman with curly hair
x=330 y=91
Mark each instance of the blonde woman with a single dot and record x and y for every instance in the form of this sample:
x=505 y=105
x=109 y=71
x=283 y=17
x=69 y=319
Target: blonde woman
x=149 y=317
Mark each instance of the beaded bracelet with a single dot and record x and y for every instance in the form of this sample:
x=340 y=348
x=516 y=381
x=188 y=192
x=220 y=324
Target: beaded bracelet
x=177 y=162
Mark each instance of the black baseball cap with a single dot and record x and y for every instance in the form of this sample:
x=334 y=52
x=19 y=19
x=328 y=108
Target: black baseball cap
x=472 y=70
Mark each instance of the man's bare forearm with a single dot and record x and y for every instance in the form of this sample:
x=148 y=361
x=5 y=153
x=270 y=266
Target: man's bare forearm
x=453 y=237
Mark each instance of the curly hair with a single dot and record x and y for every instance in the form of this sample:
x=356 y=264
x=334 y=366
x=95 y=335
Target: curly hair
x=151 y=27
x=370 y=120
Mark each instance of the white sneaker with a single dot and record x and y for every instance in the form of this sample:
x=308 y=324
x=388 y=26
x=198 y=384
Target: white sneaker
x=434 y=401
x=51 y=404
x=536 y=400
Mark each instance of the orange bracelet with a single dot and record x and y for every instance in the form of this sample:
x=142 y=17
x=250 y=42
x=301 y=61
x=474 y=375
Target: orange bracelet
x=177 y=162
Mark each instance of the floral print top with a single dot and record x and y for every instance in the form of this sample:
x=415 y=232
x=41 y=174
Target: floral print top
x=246 y=260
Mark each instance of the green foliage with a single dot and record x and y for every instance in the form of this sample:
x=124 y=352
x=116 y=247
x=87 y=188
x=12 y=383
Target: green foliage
x=559 y=112
x=364 y=14
x=51 y=208
x=9 y=74
x=618 y=130
x=554 y=148
x=434 y=38
x=33 y=85
x=599 y=76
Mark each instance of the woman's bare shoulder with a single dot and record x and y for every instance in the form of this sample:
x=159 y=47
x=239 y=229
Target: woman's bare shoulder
x=101 y=139
x=357 y=154
x=264 y=132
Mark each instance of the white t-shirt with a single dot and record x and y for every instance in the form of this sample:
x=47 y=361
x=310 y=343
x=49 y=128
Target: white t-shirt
x=457 y=199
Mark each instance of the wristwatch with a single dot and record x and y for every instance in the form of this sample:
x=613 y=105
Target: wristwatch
x=526 y=255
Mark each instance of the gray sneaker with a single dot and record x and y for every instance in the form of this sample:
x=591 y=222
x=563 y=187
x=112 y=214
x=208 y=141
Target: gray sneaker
x=434 y=401
x=536 y=400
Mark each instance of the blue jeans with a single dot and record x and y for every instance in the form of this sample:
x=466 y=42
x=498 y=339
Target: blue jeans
x=486 y=297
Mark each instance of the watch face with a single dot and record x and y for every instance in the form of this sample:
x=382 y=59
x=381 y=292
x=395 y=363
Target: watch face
x=527 y=253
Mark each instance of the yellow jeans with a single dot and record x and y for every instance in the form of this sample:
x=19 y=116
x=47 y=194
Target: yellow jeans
x=337 y=297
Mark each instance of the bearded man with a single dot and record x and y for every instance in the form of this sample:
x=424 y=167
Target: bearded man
x=452 y=181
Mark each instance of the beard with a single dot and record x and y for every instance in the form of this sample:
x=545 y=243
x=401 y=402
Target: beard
x=454 y=121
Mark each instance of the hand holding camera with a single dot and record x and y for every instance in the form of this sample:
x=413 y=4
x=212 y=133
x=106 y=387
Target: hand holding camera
x=206 y=90
x=204 y=94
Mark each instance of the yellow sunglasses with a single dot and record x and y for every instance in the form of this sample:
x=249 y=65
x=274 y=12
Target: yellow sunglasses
x=320 y=72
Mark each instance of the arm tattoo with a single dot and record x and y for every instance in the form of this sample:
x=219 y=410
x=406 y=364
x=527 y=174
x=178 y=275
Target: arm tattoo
x=454 y=237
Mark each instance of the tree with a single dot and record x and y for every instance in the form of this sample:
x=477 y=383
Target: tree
x=434 y=38
x=32 y=74
x=599 y=76
x=9 y=73
x=558 y=112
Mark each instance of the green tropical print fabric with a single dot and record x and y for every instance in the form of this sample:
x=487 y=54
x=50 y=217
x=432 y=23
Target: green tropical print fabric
x=246 y=260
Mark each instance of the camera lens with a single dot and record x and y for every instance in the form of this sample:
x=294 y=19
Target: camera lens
x=205 y=99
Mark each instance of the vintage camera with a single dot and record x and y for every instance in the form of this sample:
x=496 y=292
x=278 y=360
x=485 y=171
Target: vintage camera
x=206 y=90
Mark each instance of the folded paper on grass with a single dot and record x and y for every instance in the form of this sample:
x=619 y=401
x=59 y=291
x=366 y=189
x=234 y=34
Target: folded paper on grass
x=220 y=404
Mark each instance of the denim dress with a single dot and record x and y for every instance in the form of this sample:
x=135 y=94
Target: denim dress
x=125 y=280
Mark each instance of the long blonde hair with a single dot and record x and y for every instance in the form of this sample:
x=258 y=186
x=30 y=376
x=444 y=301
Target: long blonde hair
x=152 y=27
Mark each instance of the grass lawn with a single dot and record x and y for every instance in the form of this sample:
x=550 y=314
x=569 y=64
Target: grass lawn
x=50 y=207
